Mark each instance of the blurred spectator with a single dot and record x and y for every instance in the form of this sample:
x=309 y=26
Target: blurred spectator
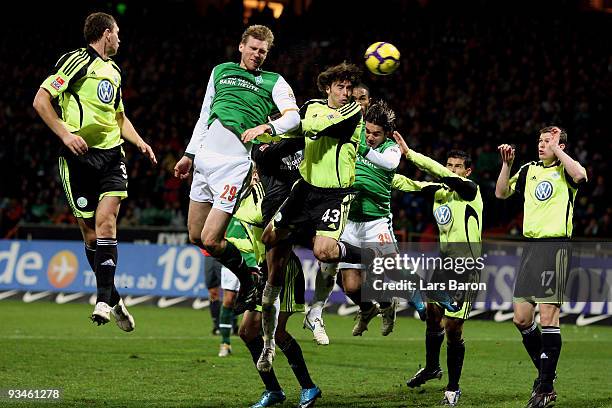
x=467 y=80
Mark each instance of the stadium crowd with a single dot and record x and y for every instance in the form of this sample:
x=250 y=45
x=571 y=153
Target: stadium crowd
x=468 y=80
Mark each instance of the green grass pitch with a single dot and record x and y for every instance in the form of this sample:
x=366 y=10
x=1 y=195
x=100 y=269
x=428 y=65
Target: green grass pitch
x=171 y=360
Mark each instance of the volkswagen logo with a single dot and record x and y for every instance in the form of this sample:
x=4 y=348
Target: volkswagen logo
x=443 y=215
x=543 y=190
x=106 y=91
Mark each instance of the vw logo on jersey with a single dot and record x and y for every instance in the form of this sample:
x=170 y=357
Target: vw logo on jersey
x=443 y=214
x=543 y=190
x=106 y=91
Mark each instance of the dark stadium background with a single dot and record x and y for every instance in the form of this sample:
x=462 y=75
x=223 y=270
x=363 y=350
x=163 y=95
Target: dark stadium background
x=473 y=74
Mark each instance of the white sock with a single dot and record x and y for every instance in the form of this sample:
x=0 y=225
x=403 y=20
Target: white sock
x=270 y=308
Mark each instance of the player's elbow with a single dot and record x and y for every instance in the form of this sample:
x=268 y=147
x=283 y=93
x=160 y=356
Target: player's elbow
x=582 y=177
x=37 y=104
x=501 y=193
x=41 y=99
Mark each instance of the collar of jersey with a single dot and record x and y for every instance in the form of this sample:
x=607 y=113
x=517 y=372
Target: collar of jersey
x=554 y=164
x=93 y=51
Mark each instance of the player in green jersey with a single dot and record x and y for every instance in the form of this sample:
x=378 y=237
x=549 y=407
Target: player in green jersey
x=549 y=188
x=87 y=84
x=457 y=209
x=239 y=99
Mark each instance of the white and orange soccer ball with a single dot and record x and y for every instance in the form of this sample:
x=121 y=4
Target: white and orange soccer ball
x=382 y=58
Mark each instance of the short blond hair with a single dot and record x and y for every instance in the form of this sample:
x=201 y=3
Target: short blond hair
x=259 y=32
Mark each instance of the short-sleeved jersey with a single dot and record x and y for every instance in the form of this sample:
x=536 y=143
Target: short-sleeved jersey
x=373 y=185
x=244 y=99
x=331 y=140
x=548 y=199
x=89 y=92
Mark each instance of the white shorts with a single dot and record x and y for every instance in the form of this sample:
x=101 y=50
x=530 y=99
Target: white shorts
x=379 y=232
x=218 y=179
x=229 y=281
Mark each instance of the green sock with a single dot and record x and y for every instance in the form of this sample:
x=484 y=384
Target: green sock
x=225 y=323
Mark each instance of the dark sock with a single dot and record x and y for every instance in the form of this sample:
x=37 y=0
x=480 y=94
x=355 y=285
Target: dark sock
x=356 y=298
x=454 y=362
x=105 y=262
x=433 y=342
x=292 y=350
x=532 y=340
x=384 y=305
x=255 y=346
x=352 y=254
x=551 y=348
x=215 y=309
x=225 y=323
x=235 y=325
x=232 y=260
x=90 y=253
x=365 y=306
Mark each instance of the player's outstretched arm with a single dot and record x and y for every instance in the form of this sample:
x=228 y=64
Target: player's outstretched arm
x=408 y=185
x=44 y=108
x=129 y=133
x=502 y=187
x=571 y=166
x=423 y=162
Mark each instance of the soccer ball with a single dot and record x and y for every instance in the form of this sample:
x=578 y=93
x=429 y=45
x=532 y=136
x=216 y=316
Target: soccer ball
x=382 y=58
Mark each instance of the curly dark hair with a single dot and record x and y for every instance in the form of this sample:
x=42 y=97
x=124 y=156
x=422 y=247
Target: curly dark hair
x=96 y=24
x=380 y=114
x=340 y=72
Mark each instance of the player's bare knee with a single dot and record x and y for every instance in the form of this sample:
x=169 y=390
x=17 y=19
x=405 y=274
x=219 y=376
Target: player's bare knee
x=195 y=238
x=268 y=237
x=351 y=287
x=213 y=245
x=228 y=298
x=213 y=294
x=522 y=322
x=246 y=333
x=324 y=254
x=106 y=228
x=454 y=331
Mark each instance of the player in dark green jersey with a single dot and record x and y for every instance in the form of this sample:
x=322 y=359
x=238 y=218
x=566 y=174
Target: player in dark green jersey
x=548 y=188
x=240 y=97
x=87 y=84
x=457 y=208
